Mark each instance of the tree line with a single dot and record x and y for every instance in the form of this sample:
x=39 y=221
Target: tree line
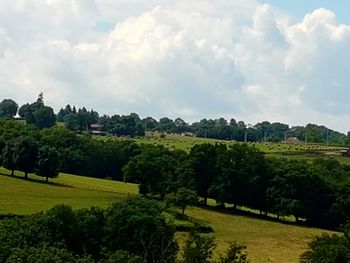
x=130 y=231
x=316 y=192
x=81 y=119
x=240 y=175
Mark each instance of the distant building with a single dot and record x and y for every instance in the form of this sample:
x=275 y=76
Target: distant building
x=97 y=129
x=189 y=134
x=345 y=152
x=292 y=140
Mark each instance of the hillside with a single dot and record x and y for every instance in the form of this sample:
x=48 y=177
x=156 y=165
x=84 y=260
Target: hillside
x=267 y=241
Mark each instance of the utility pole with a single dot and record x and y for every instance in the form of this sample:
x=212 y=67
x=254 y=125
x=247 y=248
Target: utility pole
x=245 y=136
x=285 y=137
x=305 y=137
x=327 y=141
x=265 y=137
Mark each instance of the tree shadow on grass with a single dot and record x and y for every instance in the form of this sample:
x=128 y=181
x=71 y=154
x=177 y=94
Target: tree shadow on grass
x=35 y=180
x=249 y=214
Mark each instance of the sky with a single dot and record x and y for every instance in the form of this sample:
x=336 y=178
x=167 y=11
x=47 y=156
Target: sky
x=285 y=61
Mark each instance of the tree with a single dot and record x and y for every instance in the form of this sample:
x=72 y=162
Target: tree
x=25 y=152
x=40 y=255
x=122 y=256
x=8 y=108
x=235 y=254
x=198 y=249
x=48 y=162
x=140 y=222
x=8 y=156
x=72 y=121
x=182 y=198
x=203 y=162
x=327 y=249
x=44 y=117
x=154 y=169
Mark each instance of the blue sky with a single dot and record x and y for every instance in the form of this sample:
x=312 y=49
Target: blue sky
x=197 y=59
x=298 y=8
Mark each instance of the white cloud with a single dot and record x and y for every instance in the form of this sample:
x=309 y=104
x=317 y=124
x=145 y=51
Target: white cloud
x=192 y=59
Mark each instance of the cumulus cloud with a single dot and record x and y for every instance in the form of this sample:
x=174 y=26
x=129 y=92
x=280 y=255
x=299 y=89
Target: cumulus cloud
x=238 y=59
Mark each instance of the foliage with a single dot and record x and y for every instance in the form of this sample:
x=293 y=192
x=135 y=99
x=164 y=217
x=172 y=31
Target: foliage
x=139 y=221
x=182 y=198
x=8 y=108
x=48 y=162
x=327 y=249
x=91 y=234
x=198 y=248
x=235 y=254
x=40 y=255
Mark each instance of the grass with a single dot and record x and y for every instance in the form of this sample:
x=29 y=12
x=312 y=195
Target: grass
x=280 y=150
x=267 y=241
x=18 y=196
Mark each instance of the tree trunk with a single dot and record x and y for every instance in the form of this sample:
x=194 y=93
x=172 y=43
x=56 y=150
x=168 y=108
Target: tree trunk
x=183 y=210
x=205 y=200
x=26 y=175
x=47 y=179
x=13 y=172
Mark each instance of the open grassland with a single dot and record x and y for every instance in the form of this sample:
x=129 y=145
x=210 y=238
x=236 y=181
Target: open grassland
x=267 y=241
x=18 y=196
x=279 y=150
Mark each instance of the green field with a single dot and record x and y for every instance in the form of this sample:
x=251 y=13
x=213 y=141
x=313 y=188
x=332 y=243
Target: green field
x=267 y=241
x=18 y=196
x=280 y=150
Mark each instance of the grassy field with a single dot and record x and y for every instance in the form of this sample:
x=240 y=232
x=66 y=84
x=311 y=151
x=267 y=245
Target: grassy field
x=280 y=150
x=18 y=196
x=267 y=241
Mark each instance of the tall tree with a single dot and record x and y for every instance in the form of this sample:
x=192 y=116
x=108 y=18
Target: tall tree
x=48 y=162
x=203 y=161
x=25 y=154
x=8 y=108
x=44 y=117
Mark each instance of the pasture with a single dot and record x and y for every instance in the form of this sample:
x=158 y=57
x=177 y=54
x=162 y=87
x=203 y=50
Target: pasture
x=267 y=241
x=279 y=150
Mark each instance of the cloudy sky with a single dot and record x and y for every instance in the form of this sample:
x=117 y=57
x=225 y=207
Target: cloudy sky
x=251 y=60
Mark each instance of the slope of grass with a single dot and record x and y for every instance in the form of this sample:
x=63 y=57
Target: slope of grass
x=267 y=241
x=18 y=196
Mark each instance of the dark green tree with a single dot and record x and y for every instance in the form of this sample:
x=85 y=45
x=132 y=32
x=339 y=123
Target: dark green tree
x=48 y=162
x=203 y=161
x=44 y=117
x=140 y=222
x=198 y=248
x=72 y=121
x=25 y=153
x=8 y=156
x=182 y=199
x=8 y=108
x=327 y=249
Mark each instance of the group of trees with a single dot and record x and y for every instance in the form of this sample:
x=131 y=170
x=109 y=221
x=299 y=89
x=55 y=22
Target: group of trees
x=130 y=231
x=329 y=248
x=239 y=131
x=77 y=120
x=80 y=120
x=21 y=150
x=45 y=152
x=241 y=175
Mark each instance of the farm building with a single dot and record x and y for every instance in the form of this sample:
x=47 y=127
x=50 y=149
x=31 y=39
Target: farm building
x=97 y=129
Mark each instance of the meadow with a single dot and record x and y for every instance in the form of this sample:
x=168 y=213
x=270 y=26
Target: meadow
x=300 y=150
x=267 y=241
